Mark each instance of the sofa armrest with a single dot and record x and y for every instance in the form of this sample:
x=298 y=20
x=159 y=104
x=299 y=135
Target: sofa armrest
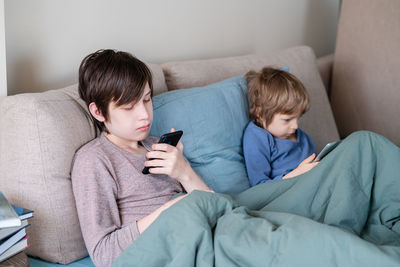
x=325 y=66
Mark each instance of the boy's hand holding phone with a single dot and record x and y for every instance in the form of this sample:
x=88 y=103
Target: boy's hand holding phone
x=303 y=167
x=167 y=156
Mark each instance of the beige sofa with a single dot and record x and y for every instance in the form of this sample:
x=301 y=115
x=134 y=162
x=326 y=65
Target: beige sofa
x=40 y=132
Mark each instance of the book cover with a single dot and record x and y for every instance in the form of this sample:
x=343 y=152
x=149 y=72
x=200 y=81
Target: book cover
x=23 y=213
x=18 y=247
x=8 y=216
x=7 y=243
x=5 y=232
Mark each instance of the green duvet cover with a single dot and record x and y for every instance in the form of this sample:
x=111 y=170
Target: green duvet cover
x=344 y=212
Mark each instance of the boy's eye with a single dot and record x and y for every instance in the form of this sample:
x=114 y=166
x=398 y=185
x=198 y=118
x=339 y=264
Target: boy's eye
x=147 y=100
x=128 y=107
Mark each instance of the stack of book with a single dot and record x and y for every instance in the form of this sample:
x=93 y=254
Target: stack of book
x=13 y=223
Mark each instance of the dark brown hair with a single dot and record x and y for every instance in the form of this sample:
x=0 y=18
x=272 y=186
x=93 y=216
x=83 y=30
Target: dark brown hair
x=112 y=76
x=273 y=91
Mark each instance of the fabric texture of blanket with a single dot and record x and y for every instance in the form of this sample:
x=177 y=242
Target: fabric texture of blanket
x=344 y=212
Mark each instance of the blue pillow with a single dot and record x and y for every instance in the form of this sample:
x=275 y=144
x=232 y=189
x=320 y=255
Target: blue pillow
x=213 y=119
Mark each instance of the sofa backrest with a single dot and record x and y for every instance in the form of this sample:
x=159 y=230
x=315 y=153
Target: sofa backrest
x=40 y=132
x=318 y=122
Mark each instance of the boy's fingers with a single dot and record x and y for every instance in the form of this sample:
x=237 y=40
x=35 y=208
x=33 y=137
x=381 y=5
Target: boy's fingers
x=162 y=147
x=162 y=152
x=152 y=157
x=156 y=155
x=156 y=163
x=309 y=159
x=159 y=170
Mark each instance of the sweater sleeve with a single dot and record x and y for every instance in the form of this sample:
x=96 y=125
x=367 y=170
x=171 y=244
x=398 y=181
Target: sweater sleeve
x=257 y=155
x=95 y=192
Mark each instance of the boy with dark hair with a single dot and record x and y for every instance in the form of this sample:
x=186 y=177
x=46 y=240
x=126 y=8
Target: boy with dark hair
x=114 y=200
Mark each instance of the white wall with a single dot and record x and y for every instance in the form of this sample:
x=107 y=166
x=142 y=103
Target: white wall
x=47 y=39
x=3 y=73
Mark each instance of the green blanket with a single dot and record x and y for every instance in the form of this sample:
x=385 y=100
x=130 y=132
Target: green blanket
x=344 y=212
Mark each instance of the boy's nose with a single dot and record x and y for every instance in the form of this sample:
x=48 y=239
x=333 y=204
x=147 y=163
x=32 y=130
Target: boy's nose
x=295 y=124
x=144 y=113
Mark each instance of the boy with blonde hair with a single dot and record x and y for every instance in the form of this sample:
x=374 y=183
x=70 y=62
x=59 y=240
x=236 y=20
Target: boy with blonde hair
x=273 y=145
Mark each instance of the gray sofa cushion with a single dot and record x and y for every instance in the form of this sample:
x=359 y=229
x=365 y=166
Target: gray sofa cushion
x=39 y=134
x=318 y=122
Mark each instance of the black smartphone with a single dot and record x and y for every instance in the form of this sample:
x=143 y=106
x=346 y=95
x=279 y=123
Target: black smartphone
x=168 y=138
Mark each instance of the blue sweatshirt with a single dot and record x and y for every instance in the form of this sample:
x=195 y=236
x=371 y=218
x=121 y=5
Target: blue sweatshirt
x=268 y=158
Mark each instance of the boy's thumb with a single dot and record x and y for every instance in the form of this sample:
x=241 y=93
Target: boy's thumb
x=310 y=158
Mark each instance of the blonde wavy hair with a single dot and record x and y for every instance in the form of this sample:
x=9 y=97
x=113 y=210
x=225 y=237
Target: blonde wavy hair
x=271 y=91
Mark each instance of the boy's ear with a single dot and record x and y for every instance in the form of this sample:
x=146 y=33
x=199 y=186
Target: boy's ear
x=260 y=119
x=258 y=114
x=96 y=113
x=258 y=111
